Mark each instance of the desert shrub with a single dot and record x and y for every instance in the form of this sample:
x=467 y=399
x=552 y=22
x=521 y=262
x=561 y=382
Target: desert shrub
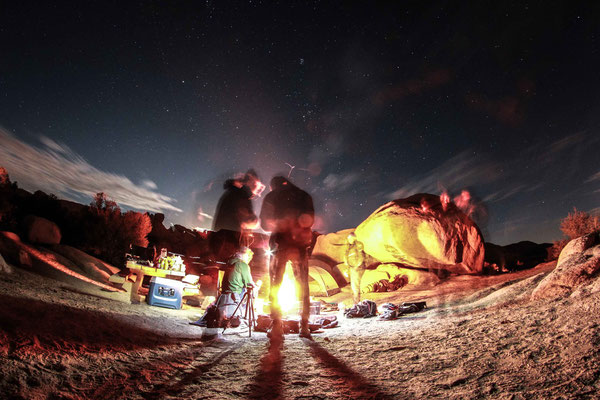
x=4 y=178
x=579 y=223
x=109 y=232
x=574 y=225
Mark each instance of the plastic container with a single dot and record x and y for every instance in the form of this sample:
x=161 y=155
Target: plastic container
x=165 y=293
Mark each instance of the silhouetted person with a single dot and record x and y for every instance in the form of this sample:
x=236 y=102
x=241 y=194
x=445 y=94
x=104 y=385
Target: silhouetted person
x=288 y=213
x=234 y=214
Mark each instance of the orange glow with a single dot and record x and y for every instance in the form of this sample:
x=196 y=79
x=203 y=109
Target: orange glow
x=259 y=305
x=463 y=201
x=258 y=188
x=445 y=200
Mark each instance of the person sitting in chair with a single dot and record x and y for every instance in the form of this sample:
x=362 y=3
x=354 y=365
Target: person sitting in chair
x=236 y=280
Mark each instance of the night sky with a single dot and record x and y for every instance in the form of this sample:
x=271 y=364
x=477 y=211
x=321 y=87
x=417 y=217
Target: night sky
x=157 y=103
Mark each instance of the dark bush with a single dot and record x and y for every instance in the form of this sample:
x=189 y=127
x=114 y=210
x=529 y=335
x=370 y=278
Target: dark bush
x=109 y=232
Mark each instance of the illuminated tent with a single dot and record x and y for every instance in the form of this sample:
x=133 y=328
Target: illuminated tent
x=325 y=278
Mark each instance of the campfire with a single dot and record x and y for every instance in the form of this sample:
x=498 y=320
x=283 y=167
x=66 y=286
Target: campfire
x=288 y=299
x=287 y=295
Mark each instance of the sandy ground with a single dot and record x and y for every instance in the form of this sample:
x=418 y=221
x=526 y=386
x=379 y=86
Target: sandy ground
x=480 y=338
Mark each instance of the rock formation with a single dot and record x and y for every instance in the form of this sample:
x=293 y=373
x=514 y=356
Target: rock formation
x=421 y=232
x=41 y=231
x=90 y=266
x=578 y=267
x=4 y=267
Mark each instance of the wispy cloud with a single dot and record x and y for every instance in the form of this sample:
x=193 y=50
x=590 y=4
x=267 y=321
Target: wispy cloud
x=340 y=182
x=54 y=168
x=514 y=178
x=593 y=178
x=460 y=171
x=510 y=192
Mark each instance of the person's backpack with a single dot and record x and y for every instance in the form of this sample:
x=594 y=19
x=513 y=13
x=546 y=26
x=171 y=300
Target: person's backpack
x=364 y=309
x=232 y=322
x=213 y=317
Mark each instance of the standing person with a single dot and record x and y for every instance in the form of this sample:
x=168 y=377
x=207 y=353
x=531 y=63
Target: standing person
x=234 y=214
x=354 y=258
x=288 y=213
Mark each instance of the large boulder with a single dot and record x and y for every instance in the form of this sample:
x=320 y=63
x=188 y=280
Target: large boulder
x=576 y=246
x=421 y=232
x=41 y=231
x=90 y=266
x=332 y=245
x=47 y=263
x=578 y=265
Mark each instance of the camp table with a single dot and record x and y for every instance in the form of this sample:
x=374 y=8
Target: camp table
x=140 y=271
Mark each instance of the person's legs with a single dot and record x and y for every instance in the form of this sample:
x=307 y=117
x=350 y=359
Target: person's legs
x=300 y=263
x=277 y=270
x=356 y=274
x=233 y=300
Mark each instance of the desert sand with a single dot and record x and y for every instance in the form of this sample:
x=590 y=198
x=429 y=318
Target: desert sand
x=481 y=337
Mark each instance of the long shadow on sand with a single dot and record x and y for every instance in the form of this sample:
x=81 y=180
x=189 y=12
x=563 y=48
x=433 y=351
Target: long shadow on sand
x=350 y=384
x=61 y=328
x=179 y=387
x=268 y=384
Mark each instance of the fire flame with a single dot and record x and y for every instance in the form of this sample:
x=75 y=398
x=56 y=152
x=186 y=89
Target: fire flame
x=287 y=291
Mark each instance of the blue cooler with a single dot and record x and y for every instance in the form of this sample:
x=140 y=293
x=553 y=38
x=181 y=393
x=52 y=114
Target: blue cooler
x=165 y=293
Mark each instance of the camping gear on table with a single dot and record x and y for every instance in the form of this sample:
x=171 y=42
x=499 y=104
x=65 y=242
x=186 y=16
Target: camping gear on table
x=165 y=292
x=172 y=262
x=173 y=267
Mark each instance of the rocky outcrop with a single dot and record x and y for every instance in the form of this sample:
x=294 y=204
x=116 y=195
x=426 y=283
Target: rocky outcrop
x=46 y=262
x=578 y=266
x=9 y=248
x=332 y=245
x=41 y=231
x=91 y=266
x=421 y=232
x=576 y=246
x=4 y=267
